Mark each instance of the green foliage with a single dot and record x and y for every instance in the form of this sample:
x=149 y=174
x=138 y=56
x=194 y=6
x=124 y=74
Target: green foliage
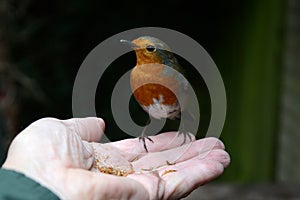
x=251 y=130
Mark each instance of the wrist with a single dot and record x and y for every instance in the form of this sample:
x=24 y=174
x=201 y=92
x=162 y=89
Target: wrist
x=48 y=176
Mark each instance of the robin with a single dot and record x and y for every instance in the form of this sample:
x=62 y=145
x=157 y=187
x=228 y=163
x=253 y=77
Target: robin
x=157 y=81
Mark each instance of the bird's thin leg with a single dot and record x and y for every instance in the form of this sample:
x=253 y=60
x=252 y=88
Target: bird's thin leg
x=185 y=134
x=143 y=136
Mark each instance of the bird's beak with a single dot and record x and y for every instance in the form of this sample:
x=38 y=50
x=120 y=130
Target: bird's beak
x=131 y=44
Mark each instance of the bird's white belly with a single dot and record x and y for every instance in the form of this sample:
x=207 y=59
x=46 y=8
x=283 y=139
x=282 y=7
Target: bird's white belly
x=159 y=110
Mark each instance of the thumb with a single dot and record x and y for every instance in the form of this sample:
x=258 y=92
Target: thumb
x=90 y=129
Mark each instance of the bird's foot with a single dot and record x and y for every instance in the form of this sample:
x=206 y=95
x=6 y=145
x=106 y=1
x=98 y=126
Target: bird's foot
x=185 y=136
x=143 y=138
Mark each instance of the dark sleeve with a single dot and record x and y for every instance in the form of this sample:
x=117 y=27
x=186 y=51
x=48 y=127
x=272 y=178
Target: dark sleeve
x=14 y=185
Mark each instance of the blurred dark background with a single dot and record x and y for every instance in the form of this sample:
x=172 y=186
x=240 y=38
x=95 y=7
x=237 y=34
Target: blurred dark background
x=255 y=45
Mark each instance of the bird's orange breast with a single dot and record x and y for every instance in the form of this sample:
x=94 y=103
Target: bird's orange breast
x=149 y=83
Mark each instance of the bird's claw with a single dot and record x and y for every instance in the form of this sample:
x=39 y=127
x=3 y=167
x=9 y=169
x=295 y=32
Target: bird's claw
x=185 y=135
x=143 y=138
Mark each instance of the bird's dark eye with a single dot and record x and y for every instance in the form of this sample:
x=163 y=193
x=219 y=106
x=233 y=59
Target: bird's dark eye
x=150 y=48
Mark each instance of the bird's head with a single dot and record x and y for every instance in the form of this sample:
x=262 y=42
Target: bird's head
x=150 y=50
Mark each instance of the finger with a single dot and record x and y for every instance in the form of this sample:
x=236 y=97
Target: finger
x=179 y=154
x=89 y=129
x=163 y=141
x=194 y=172
x=191 y=177
x=215 y=156
x=93 y=185
x=219 y=156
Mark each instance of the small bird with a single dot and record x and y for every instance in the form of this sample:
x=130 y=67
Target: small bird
x=157 y=81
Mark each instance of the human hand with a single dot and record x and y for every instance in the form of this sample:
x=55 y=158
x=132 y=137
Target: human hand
x=60 y=155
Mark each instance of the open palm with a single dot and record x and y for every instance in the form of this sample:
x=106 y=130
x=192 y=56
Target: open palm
x=60 y=154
